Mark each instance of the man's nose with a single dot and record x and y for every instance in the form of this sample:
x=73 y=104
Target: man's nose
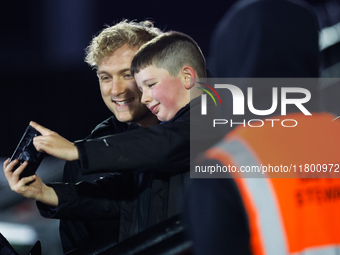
x=118 y=87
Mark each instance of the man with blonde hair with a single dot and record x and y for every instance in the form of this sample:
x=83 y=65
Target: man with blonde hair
x=110 y=53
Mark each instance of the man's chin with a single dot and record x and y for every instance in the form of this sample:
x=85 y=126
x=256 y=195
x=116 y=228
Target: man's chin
x=121 y=118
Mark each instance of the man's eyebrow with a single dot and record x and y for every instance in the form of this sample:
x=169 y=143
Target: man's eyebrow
x=124 y=70
x=101 y=72
x=120 y=71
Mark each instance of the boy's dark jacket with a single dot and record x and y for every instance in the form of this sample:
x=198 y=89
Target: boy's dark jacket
x=161 y=153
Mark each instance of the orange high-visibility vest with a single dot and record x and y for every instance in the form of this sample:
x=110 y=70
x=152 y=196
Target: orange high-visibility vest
x=299 y=215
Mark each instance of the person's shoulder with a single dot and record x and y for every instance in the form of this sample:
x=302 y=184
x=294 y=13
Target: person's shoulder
x=106 y=127
x=108 y=122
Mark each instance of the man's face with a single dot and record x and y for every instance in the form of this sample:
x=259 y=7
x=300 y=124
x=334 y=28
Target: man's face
x=119 y=89
x=163 y=94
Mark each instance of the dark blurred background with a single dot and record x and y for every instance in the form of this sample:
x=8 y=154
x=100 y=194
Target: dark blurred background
x=43 y=76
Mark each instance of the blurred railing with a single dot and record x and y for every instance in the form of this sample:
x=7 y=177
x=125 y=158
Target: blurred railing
x=167 y=237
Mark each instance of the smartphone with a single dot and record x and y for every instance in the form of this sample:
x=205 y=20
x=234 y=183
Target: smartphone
x=26 y=151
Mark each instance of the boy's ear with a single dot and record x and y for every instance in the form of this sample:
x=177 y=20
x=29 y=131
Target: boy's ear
x=189 y=76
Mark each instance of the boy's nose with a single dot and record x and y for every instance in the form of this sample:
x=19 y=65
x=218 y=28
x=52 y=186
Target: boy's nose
x=146 y=97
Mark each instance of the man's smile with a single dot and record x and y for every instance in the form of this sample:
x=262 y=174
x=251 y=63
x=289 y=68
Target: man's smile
x=123 y=102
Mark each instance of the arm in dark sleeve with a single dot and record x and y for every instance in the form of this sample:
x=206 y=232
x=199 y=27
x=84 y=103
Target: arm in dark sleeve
x=162 y=147
x=86 y=201
x=215 y=217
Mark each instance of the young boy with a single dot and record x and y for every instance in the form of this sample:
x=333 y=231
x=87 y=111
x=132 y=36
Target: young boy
x=165 y=69
x=166 y=82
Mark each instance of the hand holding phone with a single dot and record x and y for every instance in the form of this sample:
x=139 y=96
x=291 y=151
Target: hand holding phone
x=26 y=151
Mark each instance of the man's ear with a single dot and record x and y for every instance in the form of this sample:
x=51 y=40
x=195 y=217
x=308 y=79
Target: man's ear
x=189 y=76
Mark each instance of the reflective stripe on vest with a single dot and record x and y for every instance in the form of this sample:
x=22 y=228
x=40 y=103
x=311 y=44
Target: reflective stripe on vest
x=274 y=241
x=328 y=250
x=268 y=232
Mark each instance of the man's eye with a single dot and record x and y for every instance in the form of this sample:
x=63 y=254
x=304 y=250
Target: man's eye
x=104 y=78
x=128 y=76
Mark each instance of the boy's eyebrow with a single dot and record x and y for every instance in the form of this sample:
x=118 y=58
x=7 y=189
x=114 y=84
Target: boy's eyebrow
x=147 y=80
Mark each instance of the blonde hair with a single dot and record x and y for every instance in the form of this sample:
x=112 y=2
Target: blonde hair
x=113 y=37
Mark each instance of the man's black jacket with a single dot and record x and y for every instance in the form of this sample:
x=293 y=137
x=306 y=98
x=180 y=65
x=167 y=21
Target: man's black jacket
x=75 y=233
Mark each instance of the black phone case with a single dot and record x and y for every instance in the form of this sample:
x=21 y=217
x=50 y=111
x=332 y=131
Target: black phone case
x=26 y=151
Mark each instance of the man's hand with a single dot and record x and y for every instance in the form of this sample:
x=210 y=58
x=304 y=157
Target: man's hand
x=52 y=143
x=30 y=187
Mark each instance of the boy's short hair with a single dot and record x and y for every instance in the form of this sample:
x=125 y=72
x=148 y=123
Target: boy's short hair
x=113 y=37
x=171 y=51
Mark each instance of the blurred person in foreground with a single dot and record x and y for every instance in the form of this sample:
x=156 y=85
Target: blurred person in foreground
x=271 y=213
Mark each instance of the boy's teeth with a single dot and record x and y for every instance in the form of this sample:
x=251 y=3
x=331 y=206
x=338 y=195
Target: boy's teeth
x=124 y=102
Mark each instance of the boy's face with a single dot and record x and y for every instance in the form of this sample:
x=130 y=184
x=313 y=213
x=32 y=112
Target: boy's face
x=119 y=89
x=163 y=94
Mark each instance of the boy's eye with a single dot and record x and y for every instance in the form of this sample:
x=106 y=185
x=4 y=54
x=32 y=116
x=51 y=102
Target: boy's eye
x=151 y=84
